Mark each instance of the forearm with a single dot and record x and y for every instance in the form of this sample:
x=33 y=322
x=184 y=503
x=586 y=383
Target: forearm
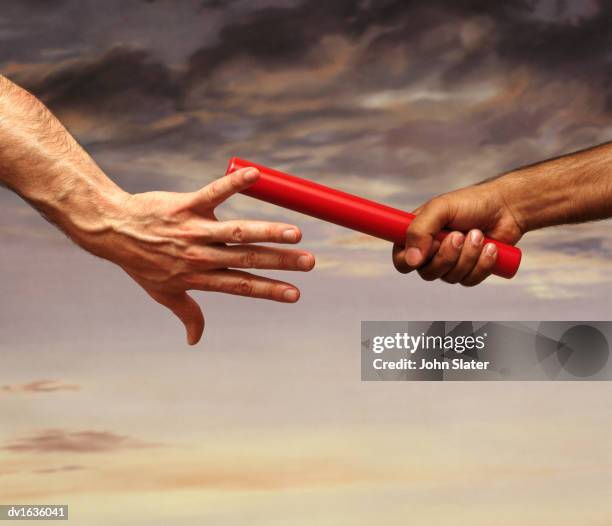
x=43 y=163
x=167 y=242
x=569 y=189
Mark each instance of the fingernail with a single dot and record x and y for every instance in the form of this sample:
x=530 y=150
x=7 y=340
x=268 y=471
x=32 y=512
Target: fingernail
x=490 y=250
x=291 y=295
x=304 y=262
x=251 y=175
x=290 y=236
x=457 y=239
x=413 y=256
x=476 y=237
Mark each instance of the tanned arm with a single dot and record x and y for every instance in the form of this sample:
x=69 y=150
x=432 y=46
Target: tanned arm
x=570 y=189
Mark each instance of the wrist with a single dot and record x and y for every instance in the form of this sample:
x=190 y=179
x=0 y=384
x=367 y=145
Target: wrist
x=512 y=190
x=86 y=211
x=96 y=216
x=569 y=189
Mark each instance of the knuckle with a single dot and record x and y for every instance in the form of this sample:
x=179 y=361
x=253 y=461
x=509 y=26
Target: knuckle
x=192 y=254
x=415 y=238
x=273 y=233
x=191 y=279
x=447 y=258
x=433 y=207
x=284 y=261
x=488 y=264
x=197 y=257
x=441 y=203
x=211 y=190
x=236 y=179
x=434 y=203
x=206 y=232
x=471 y=254
x=245 y=287
x=249 y=259
x=238 y=234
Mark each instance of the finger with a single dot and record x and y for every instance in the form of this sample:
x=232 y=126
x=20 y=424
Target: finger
x=186 y=309
x=432 y=217
x=244 y=284
x=253 y=256
x=399 y=256
x=240 y=231
x=470 y=253
x=218 y=191
x=484 y=267
x=399 y=259
x=444 y=259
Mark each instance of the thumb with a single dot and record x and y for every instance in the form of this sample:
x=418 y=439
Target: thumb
x=186 y=309
x=223 y=188
x=431 y=218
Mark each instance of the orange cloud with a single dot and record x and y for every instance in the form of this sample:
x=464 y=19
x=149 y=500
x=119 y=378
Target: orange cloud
x=57 y=440
x=228 y=474
x=58 y=469
x=40 y=386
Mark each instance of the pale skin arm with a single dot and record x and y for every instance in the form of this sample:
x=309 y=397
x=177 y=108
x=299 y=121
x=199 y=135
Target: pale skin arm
x=168 y=243
x=569 y=189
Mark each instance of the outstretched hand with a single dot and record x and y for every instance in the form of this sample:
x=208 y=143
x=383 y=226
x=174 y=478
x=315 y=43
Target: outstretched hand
x=170 y=243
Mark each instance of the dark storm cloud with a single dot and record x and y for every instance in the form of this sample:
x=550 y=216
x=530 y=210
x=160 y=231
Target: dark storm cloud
x=120 y=81
x=557 y=45
x=275 y=36
x=387 y=87
x=278 y=36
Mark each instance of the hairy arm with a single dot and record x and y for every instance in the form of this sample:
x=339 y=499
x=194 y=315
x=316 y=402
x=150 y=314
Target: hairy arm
x=570 y=189
x=573 y=188
x=167 y=242
x=44 y=164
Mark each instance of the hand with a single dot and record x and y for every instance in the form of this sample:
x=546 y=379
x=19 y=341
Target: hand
x=170 y=243
x=480 y=210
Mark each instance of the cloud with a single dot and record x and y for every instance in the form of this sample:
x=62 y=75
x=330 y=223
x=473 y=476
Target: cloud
x=69 y=468
x=61 y=441
x=372 y=89
x=396 y=101
x=594 y=246
x=122 y=81
x=40 y=386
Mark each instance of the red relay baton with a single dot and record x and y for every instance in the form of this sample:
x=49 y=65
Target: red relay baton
x=350 y=211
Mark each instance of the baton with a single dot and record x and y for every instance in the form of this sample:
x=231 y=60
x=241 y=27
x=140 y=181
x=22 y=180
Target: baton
x=350 y=211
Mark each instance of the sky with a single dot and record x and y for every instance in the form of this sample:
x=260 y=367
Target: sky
x=266 y=421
